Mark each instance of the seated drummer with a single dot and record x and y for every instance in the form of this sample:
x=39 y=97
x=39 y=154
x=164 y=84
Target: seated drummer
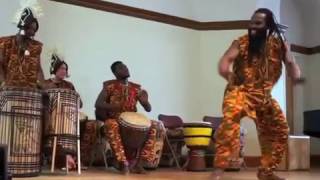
x=119 y=96
x=60 y=70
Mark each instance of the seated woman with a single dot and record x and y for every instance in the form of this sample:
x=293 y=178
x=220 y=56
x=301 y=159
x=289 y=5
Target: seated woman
x=59 y=69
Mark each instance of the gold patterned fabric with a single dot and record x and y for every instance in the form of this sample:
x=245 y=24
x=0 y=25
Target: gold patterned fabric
x=147 y=152
x=20 y=71
x=128 y=95
x=250 y=95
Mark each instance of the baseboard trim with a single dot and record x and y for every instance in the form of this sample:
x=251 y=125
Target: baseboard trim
x=254 y=161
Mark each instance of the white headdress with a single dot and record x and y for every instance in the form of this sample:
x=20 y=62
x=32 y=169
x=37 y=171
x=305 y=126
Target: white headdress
x=55 y=58
x=29 y=10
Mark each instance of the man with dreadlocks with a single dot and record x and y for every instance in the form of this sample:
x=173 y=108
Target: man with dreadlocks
x=20 y=54
x=257 y=64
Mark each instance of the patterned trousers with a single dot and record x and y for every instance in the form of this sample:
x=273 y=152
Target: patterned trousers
x=147 y=152
x=271 y=124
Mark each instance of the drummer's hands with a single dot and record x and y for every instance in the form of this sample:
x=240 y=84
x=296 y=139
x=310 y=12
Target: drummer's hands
x=71 y=162
x=143 y=97
x=144 y=100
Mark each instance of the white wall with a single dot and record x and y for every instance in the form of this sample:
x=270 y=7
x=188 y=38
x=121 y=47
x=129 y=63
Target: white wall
x=299 y=97
x=200 y=10
x=291 y=15
x=211 y=86
x=306 y=95
x=226 y=10
x=304 y=26
x=7 y=14
x=273 y=5
x=311 y=93
x=302 y=19
x=161 y=57
x=312 y=86
x=309 y=13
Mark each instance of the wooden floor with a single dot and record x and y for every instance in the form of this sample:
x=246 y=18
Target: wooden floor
x=167 y=174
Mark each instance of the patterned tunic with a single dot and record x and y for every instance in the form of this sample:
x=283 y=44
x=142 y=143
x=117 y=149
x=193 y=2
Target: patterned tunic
x=249 y=94
x=118 y=93
x=20 y=71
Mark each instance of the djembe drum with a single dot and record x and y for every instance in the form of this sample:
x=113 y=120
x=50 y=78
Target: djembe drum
x=134 y=128
x=158 y=146
x=63 y=126
x=197 y=137
x=21 y=128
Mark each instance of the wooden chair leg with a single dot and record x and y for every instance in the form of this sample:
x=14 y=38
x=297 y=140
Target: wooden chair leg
x=172 y=151
x=103 y=150
x=67 y=165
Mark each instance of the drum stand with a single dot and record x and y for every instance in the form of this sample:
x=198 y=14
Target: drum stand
x=100 y=146
x=53 y=157
x=55 y=139
x=78 y=138
x=166 y=139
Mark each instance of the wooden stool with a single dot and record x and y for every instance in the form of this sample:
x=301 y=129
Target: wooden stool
x=297 y=156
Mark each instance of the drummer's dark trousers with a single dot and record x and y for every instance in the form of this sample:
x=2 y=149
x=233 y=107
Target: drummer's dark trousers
x=271 y=125
x=147 y=152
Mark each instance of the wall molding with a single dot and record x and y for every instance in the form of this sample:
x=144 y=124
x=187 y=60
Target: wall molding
x=174 y=20
x=254 y=161
x=156 y=16
x=305 y=50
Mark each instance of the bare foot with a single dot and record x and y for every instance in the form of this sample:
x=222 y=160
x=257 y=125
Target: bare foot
x=217 y=174
x=138 y=168
x=263 y=176
x=71 y=162
x=124 y=168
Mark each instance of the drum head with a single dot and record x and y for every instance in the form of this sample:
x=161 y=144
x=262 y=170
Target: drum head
x=135 y=119
x=197 y=134
x=197 y=124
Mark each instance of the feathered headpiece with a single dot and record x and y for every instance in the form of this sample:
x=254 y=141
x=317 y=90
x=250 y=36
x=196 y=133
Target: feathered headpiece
x=30 y=11
x=56 y=61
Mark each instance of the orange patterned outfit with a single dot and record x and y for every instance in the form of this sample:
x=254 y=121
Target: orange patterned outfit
x=20 y=71
x=250 y=95
x=115 y=94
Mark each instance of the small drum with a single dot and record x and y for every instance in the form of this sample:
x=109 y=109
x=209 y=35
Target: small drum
x=21 y=128
x=134 y=128
x=197 y=137
x=158 y=146
x=63 y=119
